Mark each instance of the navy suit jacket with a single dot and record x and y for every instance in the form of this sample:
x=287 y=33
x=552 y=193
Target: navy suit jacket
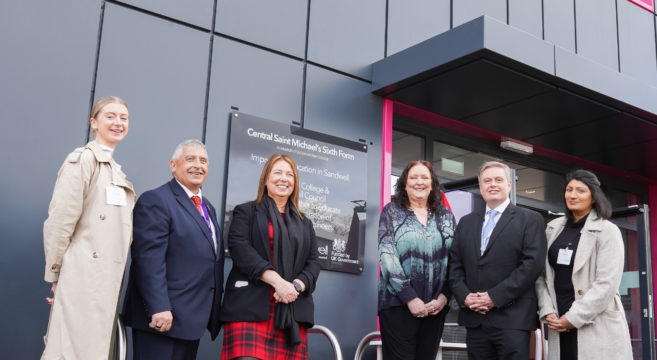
x=174 y=265
x=507 y=270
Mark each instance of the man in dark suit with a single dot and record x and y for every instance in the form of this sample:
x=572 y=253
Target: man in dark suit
x=176 y=277
x=495 y=258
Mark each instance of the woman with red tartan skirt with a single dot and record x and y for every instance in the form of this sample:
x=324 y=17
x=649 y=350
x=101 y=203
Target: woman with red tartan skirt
x=268 y=302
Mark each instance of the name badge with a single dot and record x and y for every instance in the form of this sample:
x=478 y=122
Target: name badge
x=115 y=195
x=564 y=256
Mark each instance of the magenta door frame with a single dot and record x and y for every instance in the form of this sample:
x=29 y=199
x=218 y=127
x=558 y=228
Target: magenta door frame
x=390 y=108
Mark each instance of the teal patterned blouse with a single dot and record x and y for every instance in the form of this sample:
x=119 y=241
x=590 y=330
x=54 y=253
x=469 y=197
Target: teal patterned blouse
x=413 y=257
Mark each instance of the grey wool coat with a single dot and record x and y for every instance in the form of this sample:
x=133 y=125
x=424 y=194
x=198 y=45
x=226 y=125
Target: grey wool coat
x=597 y=313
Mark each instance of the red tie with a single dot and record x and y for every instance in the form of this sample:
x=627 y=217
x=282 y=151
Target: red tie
x=197 y=203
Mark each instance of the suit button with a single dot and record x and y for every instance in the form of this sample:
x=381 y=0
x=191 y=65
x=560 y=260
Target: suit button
x=211 y=289
x=102 y=216
x=580 y=292
x=94 y=255
x=54 y=267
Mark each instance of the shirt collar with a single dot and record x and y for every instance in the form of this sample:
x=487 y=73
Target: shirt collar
x=500 y=209
x=189 y=192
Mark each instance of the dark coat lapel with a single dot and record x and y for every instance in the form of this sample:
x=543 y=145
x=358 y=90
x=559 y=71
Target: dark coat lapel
x=505 y=218
x=263 y=227
x=188 y=205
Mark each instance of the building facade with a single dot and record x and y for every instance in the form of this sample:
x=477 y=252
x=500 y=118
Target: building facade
x=444 y=80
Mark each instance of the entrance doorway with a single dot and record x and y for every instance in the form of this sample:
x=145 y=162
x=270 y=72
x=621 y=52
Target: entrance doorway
x=540 y=190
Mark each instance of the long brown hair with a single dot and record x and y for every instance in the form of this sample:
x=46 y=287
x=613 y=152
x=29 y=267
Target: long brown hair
x=264 y=176
x=401 y=197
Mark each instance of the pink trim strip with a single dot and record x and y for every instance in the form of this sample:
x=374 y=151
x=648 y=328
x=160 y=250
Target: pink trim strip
x=652 y=208
x=386 y=151
x=646 y=4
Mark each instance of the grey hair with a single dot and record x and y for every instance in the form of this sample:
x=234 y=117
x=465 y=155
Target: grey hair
x=490 y=164
x=191 y=142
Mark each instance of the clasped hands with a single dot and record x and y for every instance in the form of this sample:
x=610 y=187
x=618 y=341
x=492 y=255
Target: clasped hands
x=418 y=308
x=560 y=324
x=284 y=291
x=479 y=302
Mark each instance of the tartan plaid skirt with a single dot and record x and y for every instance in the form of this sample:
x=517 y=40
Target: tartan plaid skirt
x=261 y=340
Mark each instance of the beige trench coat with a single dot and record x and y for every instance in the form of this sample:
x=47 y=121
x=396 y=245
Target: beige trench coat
x=597 y=313
x=86 y=242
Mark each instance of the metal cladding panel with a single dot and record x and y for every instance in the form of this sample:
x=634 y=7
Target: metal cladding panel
x=347 y=35
x=636 y=32
x=596 y=31
x=256 y=81
x=527 y=15
x=278 y=25
x=160 y=68
x=45 y=81
x=411 y=22
x=605 y=81
x=196 y=12
x=464 y=11
x=341 y=106
x=559 y=23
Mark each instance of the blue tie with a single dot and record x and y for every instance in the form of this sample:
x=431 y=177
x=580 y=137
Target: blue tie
x=488 y=229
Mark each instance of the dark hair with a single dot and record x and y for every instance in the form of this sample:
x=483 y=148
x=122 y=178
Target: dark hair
x=601 y=204
x=401 y=197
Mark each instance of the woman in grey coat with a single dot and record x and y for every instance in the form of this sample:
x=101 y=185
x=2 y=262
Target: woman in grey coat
x=578 y=291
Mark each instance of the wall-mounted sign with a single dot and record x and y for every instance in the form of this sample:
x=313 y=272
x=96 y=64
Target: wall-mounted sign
x=646 y=4
x=332 y=182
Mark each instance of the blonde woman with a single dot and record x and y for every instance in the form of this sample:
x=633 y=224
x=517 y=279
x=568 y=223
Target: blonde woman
x=86 y=240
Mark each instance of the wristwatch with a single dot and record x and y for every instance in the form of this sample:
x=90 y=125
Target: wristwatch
x=297 y=286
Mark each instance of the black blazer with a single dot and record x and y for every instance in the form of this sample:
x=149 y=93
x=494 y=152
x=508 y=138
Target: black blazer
x=247 y=297
x=174 y=265
x=510 y=265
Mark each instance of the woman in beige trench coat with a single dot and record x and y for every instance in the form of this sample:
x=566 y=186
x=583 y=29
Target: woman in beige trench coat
x=578 y=291
x=86 y=240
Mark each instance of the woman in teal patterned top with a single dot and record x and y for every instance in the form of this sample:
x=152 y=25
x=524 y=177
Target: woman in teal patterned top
x=415 y=233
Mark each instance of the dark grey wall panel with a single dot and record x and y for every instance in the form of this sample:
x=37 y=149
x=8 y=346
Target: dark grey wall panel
x=197 y=12
x=160 y=68
x=464 y=11
x=527 y=15
x=45 y=82
x=411 y=22
x=279 y=25
x=596 y=31
x=636 y=30
x=344 y=107
x=347 y=35
x=559 y=23
x=260 y=83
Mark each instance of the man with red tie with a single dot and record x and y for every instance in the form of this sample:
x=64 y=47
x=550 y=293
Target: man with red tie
x=176 y=277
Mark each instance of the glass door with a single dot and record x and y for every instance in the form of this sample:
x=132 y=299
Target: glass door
x=636 y=286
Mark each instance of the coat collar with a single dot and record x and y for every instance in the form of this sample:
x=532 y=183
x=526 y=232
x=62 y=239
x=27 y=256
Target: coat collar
x=504 y=219
x=118 y=176
x=587 y=239
x=188 y=205
x=263 y=226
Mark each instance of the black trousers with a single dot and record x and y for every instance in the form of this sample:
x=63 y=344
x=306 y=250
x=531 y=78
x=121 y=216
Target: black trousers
x=148 y=346
x=568 y=345
x=488 y=342
x=405 y=337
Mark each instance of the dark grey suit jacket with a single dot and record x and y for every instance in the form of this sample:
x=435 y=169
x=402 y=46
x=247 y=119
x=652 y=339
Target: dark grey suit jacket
x=507 y=270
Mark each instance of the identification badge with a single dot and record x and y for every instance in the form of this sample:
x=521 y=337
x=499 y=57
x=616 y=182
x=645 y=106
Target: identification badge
x=564 y=256
x=115 y=195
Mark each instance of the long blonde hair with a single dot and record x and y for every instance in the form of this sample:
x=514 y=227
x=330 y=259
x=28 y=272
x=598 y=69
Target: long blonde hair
x=264 y=176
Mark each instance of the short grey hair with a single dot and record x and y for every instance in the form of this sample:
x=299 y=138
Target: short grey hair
x=490 y=164
x=190 y=142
